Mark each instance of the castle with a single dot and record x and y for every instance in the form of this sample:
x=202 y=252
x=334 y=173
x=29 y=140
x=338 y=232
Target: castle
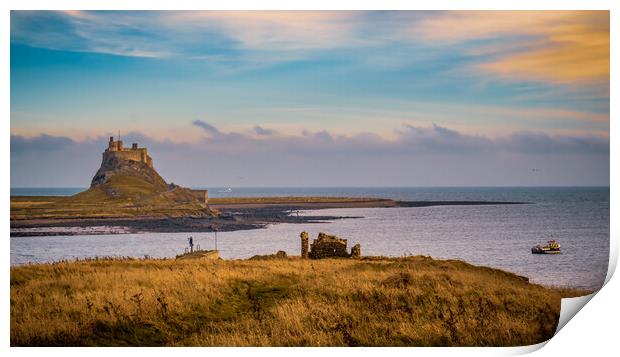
x=116 y=149
x=117 y=160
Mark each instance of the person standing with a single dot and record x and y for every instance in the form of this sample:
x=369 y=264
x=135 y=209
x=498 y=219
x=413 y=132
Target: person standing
x=191 y=244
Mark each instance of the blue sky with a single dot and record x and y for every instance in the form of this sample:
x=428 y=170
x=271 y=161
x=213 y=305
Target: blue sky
x=432 y=89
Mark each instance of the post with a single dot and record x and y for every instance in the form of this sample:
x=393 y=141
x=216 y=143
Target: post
x=216 y=239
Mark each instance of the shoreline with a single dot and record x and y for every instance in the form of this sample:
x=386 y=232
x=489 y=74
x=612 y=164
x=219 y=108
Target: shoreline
x=235 y=214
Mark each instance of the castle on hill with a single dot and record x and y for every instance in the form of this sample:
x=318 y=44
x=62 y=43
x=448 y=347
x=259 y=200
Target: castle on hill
x=135 y=161
x=135 y=153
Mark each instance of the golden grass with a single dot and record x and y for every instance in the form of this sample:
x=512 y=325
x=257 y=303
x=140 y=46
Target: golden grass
x=414 y=301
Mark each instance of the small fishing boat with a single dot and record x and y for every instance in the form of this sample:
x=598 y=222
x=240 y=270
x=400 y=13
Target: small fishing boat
x=552 y=247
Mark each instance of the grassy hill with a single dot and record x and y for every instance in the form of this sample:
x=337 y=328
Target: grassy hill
x=413 y=301
x=120 y=188
x=120 y=196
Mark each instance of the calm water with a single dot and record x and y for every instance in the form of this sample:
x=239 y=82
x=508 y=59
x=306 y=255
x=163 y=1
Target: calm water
x=497 y=236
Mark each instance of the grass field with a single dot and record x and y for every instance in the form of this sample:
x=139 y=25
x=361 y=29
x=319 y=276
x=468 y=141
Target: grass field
x=413 y=301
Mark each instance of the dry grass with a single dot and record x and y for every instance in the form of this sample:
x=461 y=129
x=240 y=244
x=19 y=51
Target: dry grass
x=414 y=301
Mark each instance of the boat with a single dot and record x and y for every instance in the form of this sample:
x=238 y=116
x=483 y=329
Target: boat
x=552 y=247
x=225 y=191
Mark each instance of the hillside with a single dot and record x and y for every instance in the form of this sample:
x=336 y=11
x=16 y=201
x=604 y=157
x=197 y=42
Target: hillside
x=133 y=183
x=413 y=301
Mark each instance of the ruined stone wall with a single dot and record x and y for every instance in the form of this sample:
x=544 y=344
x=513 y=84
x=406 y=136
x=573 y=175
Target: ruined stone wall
x=326 y=246
x=201 y=195
x=128 y=155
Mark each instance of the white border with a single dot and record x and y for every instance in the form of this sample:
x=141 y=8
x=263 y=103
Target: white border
x=591 y=331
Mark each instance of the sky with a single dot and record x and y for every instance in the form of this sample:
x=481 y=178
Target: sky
x=314 y=98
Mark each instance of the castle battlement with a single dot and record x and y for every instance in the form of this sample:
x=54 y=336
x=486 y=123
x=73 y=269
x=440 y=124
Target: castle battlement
x=134 y=153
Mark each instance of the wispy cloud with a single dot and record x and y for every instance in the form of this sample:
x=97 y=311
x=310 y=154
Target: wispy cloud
x=562 y=47
x=116 y=33
x=212 y=35
x=208 y=128
x=259 y=130
x=565 y=47
x=276 y=30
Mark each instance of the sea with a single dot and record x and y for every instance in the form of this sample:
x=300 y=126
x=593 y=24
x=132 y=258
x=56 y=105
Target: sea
x=499 y=236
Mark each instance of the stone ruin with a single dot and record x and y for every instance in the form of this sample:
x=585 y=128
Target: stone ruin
x=304 y=245
x=327 y=246
x=356 y=251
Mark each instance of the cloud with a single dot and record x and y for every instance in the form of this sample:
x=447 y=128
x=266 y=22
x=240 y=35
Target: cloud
x=212 y=35
x=569 y=58
x=438 y=139
x=263 y=132
x=41 y=143
x=275 y=30
x=441 y=140
x=210 y=129
x=459 y=26
x=542 y=144
x=117 y=33
x=418 y=155
x=564 y=47
x=559 y=47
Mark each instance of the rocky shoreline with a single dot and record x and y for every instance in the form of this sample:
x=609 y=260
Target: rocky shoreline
x=233 y=217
